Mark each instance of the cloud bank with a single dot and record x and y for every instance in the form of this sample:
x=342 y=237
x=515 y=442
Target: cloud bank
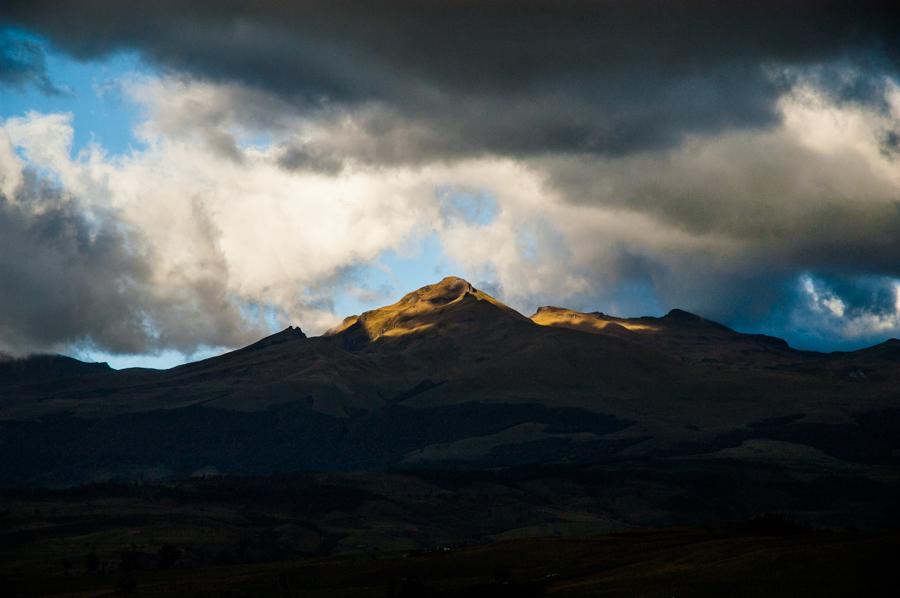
x=444 y=78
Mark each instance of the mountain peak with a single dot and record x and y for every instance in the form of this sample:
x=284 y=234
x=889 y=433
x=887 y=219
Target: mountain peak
x=681 y=318
x=288 y=334
x=432 y=305
x=682 y=315
x=450 y=288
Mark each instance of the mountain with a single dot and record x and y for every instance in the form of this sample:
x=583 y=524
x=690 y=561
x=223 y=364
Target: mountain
x=680 y=333
x=450 y=377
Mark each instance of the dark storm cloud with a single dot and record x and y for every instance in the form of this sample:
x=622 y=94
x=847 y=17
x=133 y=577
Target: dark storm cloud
x=844 y=312
x=513 y=78
x=302 y=157
x=750 y=214
x=890 y=142
x=74 y=276
x=22 y=63
x=65 y=278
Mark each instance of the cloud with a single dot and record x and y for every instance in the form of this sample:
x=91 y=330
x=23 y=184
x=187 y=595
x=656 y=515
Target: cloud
x=453 y=80
x=849 y=310
x=22 y=63
x=725 y=226
x=76 y=272
x=218 y=246
x=67 y=274
x=176 y=246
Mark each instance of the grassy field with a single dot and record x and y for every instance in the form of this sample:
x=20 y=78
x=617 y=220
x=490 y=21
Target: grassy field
x=633 y=529
x=671 y=562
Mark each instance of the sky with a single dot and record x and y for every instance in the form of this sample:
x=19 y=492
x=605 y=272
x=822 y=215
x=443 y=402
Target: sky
x=178 y=179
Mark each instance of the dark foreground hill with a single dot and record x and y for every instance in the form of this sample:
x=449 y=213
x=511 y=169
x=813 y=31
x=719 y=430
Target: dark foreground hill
x=450 y=377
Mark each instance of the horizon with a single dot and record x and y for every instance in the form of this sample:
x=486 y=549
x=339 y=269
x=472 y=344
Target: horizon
x=168 y=362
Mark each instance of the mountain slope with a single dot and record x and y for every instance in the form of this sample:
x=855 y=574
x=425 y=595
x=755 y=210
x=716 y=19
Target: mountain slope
x=449 y=376
x=679 y=332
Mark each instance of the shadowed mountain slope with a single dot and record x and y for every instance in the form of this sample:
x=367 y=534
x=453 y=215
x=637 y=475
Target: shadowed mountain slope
x=449 y=376
x=680 y=333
